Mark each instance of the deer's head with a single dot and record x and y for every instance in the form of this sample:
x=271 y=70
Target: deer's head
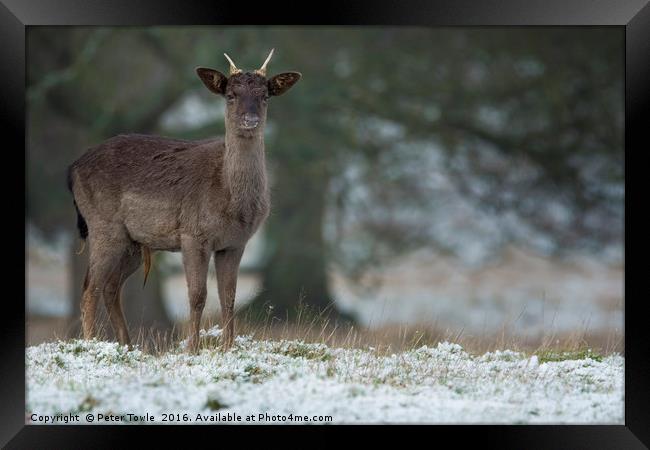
x=247 y=94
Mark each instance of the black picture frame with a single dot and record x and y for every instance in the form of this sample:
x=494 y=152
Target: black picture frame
x=633 y=15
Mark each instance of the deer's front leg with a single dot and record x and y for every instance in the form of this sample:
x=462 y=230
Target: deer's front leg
x=195 y=260
x=226 y=263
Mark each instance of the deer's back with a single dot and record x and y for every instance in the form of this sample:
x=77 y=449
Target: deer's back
x=153 y=185
x=142 y=162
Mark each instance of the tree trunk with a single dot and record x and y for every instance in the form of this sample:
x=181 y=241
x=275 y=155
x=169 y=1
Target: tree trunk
x=294 y=277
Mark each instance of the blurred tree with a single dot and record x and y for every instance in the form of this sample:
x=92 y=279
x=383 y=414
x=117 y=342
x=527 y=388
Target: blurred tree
x=526 y=119
x=390 y=133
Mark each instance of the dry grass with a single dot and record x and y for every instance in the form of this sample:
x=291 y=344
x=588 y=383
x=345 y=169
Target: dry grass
x=317 y=328
x=397 y=338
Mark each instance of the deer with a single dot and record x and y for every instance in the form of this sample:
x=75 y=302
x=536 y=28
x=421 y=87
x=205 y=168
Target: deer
x=137 y=194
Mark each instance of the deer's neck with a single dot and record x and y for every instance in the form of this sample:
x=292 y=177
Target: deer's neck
x=244 y=175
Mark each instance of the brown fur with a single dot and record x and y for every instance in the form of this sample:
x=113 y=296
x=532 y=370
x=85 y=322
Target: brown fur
x=138 y=193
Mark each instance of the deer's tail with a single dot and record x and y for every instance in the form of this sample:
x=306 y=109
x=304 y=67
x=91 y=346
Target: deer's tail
x=82 y=226
x=146 y=257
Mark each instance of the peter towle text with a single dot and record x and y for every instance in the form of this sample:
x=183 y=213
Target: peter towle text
x=59 y=419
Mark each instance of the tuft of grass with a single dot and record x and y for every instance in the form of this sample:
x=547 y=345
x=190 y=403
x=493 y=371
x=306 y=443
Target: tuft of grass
x=256 y=374
x=302 y=350
x=214 y=404
x=553 y=355
x=88 y=403
x=59 y=361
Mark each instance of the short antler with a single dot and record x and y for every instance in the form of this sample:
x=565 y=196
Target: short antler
x=262 y=70
x=233 y=68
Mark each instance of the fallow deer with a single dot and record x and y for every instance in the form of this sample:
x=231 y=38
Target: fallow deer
x=137 y=194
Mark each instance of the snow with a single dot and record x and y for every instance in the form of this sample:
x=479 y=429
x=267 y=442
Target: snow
x=280 y=380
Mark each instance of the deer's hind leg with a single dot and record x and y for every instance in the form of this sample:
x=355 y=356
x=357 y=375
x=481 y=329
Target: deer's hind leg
x=112 y=293
x=88 y=308
x=107 y=248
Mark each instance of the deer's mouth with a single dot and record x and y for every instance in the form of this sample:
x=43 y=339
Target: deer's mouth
x=247 y=132
x=249 y=121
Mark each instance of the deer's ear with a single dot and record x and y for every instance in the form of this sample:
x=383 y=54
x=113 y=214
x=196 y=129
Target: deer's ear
x=282 y=82
x=213 y=79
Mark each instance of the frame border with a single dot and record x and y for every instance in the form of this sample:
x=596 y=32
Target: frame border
x=633 y=15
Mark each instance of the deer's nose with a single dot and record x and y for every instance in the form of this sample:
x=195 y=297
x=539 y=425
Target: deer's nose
x=250 y=120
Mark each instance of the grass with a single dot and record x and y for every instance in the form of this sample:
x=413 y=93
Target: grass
x=214 y=405
x=297 y=349
x=88 y=403
x=549 y=355
x=312 y=328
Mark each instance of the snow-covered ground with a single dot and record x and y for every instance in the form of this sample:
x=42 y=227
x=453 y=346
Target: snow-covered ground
x=291 y=381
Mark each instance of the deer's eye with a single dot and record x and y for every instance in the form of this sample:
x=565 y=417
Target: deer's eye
x=230 y=98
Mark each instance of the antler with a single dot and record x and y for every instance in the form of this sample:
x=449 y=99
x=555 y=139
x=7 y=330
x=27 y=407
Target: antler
x=233 y=68
x=262 y=70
